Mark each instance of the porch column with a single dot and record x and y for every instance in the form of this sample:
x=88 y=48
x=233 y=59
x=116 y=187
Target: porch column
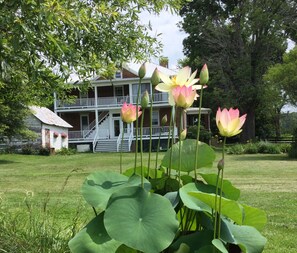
x=96 y=96
x=96 y=110
x=130 y=93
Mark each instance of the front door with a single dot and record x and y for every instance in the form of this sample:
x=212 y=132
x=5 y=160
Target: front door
x=116 y=127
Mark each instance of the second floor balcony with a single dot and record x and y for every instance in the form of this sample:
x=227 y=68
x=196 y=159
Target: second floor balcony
x=106 y=102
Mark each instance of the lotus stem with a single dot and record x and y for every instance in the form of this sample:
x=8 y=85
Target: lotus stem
x=198 y=133
x=136 y=144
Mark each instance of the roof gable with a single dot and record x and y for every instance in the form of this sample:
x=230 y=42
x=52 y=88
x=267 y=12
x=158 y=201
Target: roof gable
x=48 y=117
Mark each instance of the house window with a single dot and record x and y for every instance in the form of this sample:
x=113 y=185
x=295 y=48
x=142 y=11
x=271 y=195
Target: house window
x=118 y=74
x=144 y=87
x=155 y=118
x=118 y=91
x=84 y=121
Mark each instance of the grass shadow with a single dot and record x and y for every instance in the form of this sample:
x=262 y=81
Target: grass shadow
x=6 y=162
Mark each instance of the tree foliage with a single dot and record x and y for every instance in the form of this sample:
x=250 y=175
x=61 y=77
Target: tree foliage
x=238 y=40
x=43 y=42
x=283 y=76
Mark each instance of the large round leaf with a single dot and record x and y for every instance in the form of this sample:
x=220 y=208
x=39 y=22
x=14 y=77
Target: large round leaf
x=254 y=217
x=190 y=201
x=230 y=208
x=206 y=156
x=93 y=239
x=247 y=238
x=99 y=186
x=229 y=190
x=142 y=220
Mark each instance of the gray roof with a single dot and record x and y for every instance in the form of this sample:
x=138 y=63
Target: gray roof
x=48 y=117
x=150 y=67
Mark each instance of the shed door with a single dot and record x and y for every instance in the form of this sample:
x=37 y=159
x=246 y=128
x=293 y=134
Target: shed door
x=47 y=137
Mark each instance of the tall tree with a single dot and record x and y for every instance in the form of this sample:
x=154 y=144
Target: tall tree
x=239 y=40
x=43 y=42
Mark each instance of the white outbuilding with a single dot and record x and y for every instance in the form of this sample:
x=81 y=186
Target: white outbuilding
x=51 y=129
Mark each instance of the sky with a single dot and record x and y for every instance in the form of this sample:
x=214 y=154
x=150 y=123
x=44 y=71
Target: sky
x=171 y=36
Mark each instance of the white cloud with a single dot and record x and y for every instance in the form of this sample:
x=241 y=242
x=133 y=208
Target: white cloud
x=171 y=37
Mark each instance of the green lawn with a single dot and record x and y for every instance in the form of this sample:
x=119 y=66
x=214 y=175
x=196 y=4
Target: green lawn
x=52 y=184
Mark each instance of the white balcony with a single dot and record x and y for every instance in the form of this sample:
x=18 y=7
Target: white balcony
x=106 y=102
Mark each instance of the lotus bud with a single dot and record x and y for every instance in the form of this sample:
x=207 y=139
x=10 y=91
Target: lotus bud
x=164 y=120
x=221 y=164
x=183 y=134
x=142 y=70
x=155 y=80
x=204 y=75
x=145 y=100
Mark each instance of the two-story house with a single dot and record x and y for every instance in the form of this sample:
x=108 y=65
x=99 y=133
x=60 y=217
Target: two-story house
x=95 y=114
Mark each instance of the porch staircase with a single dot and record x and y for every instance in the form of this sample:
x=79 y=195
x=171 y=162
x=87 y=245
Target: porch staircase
x=110 y=145
x=102 y=122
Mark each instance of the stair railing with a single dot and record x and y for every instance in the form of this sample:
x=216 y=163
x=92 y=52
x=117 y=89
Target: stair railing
x=119 y=140
x=95 y=142
x=92 y=125
x=130 y=139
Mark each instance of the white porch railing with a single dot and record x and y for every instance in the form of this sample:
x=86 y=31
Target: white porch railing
x=103 y=133
x=157 y=98
x=90 y=102
x=155 y=131
x=106 y=102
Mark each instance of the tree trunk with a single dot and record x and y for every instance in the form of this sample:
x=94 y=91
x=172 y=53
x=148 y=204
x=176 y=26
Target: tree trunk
x=248 y=132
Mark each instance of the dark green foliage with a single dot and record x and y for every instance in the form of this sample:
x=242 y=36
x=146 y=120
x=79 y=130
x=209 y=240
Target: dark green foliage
x=42 y=43
x=239 y=41
x=251 y=148
x=66 y=151
x=236 y=149
x=44 y=151
x=262 y=147
x=265 y=147
x=205 y=135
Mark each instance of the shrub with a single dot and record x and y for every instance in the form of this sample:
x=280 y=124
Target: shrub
x=44 y=151
x=293 y=150
x=204 y=136
x=265 y=147
x=66 y=151
x=236 y=149
x=251 y=148
x=284 y=147
x=28 y=149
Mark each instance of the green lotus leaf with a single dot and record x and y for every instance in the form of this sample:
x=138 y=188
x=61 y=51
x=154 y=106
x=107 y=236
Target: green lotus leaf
x=191 y=201
x=93 y=238
x=195 y=240
x=247 y=238
x=99 y=186
x=141 y=220
x=135 y=180
x=229 y=190
x=183 y=248
x=230 y=208
x=219 y=245
x=152 y=172
x=254 y=217
x=206 y=156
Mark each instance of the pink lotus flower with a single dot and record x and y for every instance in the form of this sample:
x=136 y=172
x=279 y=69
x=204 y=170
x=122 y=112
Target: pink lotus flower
x=128 y=113
x=228 y=122
x=183 y=78
x=184 y=96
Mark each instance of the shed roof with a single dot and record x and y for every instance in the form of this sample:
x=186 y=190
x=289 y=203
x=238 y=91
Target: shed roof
x=48 y=117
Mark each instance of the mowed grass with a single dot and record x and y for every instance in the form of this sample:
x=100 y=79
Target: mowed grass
x=53 y=183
